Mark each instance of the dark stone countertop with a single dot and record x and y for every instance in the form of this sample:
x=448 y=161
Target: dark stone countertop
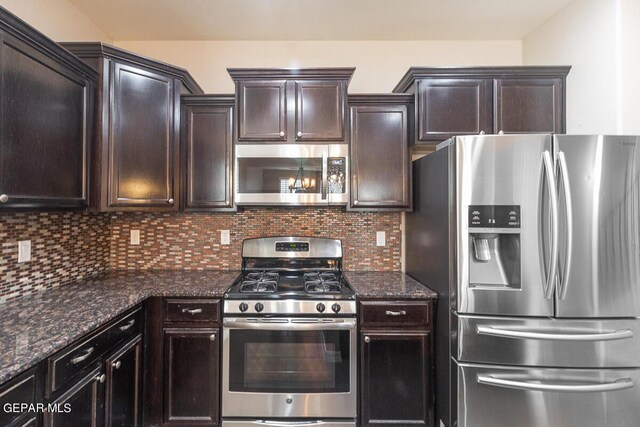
x=388 y=285
x=32 y=328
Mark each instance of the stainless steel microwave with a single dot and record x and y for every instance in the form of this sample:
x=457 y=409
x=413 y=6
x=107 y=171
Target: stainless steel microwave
x=291 y=174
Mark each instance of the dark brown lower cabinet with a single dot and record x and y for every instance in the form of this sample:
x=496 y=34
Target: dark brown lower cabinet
x=123 y=385
x=81 y=405
x=395 y=378
x=191 y=384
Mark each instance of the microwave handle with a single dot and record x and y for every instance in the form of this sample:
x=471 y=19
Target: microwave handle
x=325 y=167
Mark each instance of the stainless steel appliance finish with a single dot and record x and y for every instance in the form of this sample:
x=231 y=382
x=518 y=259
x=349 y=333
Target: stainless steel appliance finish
x=262 y=172
x=533 y=240
x=265 y=247
x=543 y=397
x=599 y=197
x=290 y=336
x=272 y=404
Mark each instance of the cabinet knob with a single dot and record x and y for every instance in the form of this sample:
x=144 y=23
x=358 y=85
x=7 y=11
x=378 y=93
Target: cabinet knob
x=170 y=201
x=281 y=133
x=299 y=134
x=116 y=365
x=101 y=378
x=501 y=132
x=212 y=337
x=367 y=339
x=4 y=198
x=481 y=132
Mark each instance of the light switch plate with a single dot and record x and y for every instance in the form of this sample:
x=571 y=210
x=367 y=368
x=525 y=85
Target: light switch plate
x=225 y=237
x=135 y=237
x=24 y=251
x=381 y=238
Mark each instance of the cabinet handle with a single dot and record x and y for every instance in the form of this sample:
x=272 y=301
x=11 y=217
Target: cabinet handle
x=299 y=134
x=4 y=198
x=84 y=357
x=170 y=201
x=367 y=339
x=212 y=337
x=116 y=365
x=192 y=310
x=128 y=325
x=101 y=378
x=396 y=313
x=281 y=133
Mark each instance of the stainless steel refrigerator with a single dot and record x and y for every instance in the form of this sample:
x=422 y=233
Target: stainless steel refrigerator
x=533 y=244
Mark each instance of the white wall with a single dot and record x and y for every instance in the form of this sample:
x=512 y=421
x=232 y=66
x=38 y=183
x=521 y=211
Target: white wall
x=599 y=39
x=58 y=19
x=379 y=64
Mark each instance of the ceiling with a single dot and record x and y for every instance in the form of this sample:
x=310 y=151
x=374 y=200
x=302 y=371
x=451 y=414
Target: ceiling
x=318 y=19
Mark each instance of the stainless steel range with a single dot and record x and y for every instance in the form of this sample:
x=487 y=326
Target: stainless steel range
x=289 y=336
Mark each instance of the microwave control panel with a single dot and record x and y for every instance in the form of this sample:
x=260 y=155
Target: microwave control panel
x=337 y=174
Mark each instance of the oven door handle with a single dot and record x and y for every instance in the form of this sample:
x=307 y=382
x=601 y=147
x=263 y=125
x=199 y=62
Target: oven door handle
x=288 y=423
x=286 y=324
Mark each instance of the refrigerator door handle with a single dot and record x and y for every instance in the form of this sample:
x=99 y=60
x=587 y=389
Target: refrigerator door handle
x=564 y=280
x=620 y=384
x=553 y=197
x=599 y=336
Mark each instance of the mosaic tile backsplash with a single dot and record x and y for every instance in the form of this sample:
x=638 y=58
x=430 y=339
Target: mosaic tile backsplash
x=68 y=246
x=192 y=241
x=65 y=247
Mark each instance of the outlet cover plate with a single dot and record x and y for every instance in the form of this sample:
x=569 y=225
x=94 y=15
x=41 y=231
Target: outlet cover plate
x=135 y=237
x=24 y=251
x=225 y=237
x=381 y=238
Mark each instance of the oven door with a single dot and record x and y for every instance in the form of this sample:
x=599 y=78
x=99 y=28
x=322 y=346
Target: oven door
x=289 y=367
x=295 y=174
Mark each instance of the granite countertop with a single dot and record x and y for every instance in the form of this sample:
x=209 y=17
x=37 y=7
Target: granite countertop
x=37 y=326
x=385 y=285
x=34 y=327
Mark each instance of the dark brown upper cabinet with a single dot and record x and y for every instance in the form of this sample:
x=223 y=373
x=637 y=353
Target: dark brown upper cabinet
x=529 y=105
x=262 y=110
x=135 y=165
x=466 y=101
x=381 y=127
x=452 y=107
x=45 y=120
x=291 y=106
x=207 y=146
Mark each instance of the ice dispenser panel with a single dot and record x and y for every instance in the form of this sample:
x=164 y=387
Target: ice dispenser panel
x=494 y=246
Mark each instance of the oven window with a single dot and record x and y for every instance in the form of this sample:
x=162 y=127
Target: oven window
x=289 y=361
x=280 y=175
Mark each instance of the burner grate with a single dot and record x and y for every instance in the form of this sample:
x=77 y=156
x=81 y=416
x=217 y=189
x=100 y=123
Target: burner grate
x=261 y=281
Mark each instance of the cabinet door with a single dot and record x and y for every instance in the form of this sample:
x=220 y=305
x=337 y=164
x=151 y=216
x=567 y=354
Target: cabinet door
x=191 y=378
x=143 y=138
x=529 y=105
x=395 y=379
x=81 y=405
x=45 y=112
x=320 y=110
x=209 y=157
x=450 y=107
x=380 y=157
x=262 y=114
x=123 y=386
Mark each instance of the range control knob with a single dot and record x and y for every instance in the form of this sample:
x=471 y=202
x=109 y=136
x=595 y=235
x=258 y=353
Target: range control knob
x=259 y=307
x=244 y=307
x=335 y=308
x=320 y=307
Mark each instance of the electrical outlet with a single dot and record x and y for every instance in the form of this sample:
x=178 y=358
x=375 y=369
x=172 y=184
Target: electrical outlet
x=381 y=238
x=135 y=237
x=24 y=251
x=225 y=237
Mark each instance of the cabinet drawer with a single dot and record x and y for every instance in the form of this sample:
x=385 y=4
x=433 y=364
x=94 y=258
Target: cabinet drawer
x=191 y=310
x=18 y=391
x=66 y=364
x=126 y=328
x=390 y=314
